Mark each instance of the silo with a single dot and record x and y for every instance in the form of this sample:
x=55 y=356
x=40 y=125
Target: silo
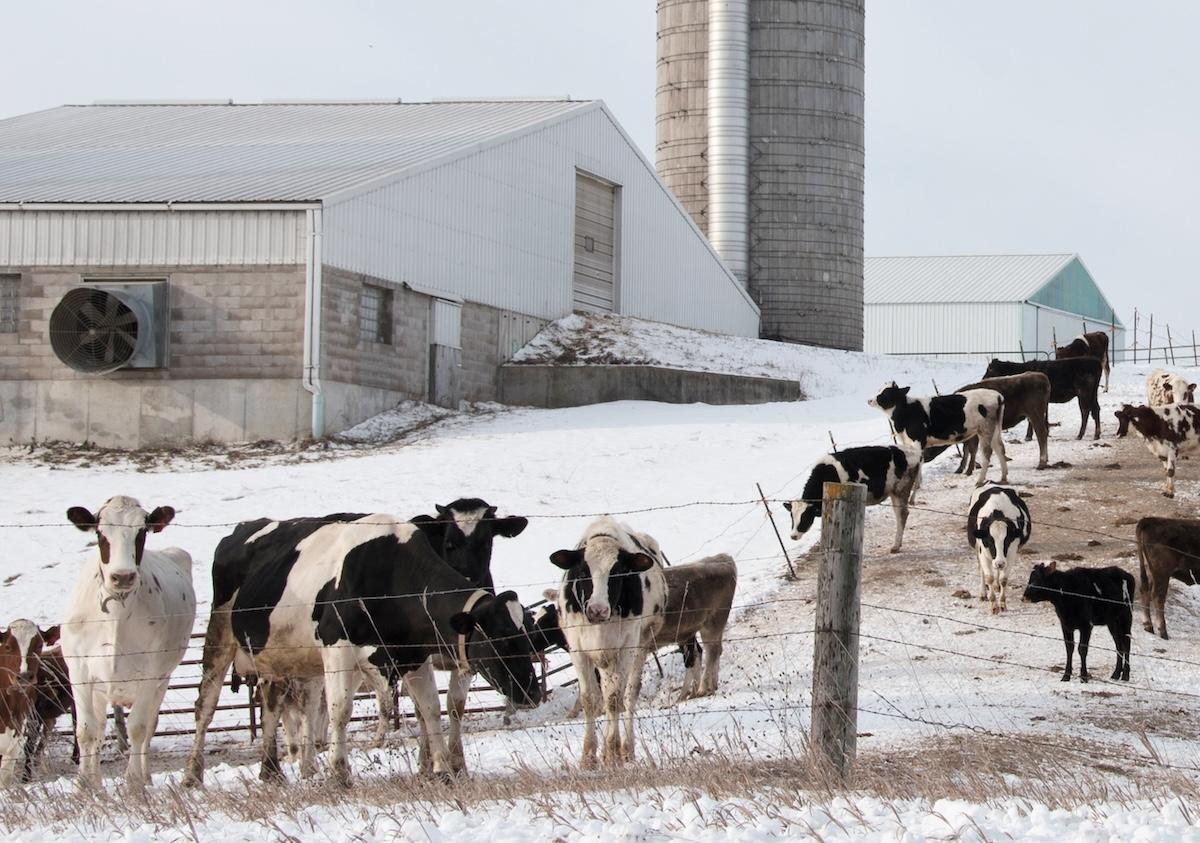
x=803 y=189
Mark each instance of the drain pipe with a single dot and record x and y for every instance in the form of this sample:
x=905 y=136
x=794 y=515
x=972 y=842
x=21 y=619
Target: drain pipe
x=312 y=321
x=729 y=132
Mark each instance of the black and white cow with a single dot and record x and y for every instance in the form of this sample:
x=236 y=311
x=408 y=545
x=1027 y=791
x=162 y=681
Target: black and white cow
x=312 y=598
x=998 y=524
x=889 y=473
x=946 y=419
x=610 y=601
x=1168 y=431
x=462 y=533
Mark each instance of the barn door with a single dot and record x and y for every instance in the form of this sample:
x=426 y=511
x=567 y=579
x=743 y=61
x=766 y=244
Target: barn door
x=595 y=245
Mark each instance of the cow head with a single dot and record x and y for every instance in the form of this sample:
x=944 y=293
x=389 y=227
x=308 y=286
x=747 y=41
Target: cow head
x=21 y=651
x=803 y=515
x=1041 y=583
x=462 y=534
x=602 y=577
x=890 y=397
x=1124 y=416
x=120 y=526
x=995 y=535
x=499 y=648
x=543 y=626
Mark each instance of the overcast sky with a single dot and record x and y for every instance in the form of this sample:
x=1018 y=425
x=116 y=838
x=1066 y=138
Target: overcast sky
x=1022 y=126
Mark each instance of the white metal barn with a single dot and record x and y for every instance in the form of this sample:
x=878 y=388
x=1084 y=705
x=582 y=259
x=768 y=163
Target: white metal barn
x=174 y=272
x=985 y=305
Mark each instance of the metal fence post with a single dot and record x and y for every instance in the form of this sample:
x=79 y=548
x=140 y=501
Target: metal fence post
x=835 y=643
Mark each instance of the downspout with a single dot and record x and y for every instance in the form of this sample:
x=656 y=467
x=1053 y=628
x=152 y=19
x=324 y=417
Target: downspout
x=312 y=321
x=729 y=132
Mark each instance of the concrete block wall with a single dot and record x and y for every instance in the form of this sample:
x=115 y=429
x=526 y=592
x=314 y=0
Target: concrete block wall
x=490 y=337
x=226 y=322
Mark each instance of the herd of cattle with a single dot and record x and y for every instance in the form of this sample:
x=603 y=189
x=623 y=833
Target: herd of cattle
x=311 y=609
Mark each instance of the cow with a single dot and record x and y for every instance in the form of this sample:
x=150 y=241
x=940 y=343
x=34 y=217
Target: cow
x=998 y=524
x=337 y=600
x=1073 y=379
x=611 y=599
x=52 y=699
x=126 y=628
x=1163 y=387
x=462 y=534
x=1167 y=548
x=1083 y=598
x=889 y=472
x=699 y=600
x=1026 y=396
x=1093 y=344
x=946 y=419
x=20 y=669
x=1168 y=431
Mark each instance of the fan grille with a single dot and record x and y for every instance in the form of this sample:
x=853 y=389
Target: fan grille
x=94 y=330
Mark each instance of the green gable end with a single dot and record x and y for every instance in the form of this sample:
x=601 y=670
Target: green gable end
x=1072 y=289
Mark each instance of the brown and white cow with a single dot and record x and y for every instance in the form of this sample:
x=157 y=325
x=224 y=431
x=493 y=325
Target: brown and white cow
x=1163 y=387
x=1093 y=344
x=20 y=666
x=52 y=699
x=126 y=628
x=1168 y=548
x=611 y=599
x=1168 y=431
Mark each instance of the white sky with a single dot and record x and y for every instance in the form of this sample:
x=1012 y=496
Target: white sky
x=1022 y=126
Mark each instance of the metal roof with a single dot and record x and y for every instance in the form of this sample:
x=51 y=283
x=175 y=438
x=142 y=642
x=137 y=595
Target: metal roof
x=289 y=152
x=959 y=278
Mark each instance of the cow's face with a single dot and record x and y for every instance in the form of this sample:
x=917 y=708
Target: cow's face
x=498 y=646
x=121 y=526
x=1039 y=586
x=601 y=576
x=890 y=397
x=996 y=536
x=21 y=651
x=803 y=515
x=470 y=526
x=1123 y=417
x=544 y=628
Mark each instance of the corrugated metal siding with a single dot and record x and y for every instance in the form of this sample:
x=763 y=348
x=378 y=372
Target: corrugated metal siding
x=446 y=323
x=496 y=228
x=988 y=329
x=151 y=238
x=958 y=278
x=1075 y=291
x=1041 y=326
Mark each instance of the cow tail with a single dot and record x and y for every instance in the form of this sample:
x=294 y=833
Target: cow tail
x=998 y=433
x=1143 y=577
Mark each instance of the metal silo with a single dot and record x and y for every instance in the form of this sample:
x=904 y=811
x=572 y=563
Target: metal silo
x=799 y=186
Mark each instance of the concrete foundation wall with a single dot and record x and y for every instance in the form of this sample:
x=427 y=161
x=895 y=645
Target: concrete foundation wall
x=136 y=414
x=576 y=386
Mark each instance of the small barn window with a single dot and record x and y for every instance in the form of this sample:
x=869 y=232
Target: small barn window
x=375 y=314
x=10 y=286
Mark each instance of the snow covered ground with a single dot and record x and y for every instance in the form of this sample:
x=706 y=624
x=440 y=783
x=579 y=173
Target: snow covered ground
x=686 y=474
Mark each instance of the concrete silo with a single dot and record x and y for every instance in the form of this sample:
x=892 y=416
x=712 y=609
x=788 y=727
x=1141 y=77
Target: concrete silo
x=759 y=132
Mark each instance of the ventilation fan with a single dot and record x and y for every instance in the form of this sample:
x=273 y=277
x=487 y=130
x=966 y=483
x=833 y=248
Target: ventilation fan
x=101 y=328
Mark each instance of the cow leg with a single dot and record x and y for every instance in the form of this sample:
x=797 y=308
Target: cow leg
x=1119 y=630
x=1096 y=415
x=219 y=650
x=384 y=701
x=12 y=747
x=1170 y=466
x=314 y=726
x=635 y=664
x=1001 y=579
x=983 y=579
x=272 y=711
x=692 y=655
x=985 y=459
x=456 y=709
x=1069 y=641
x=90 y=708
x=1083 y=416
x=900 y=511
x=1085 y=635
x=141 y=720
x=1160 y=606
x=342 y=678
x=120 y=732
x=1029 y=430
x=912 y=498
x=422 y=687
x=1043 y=435
x=714 y=644
x=589 y=698
x=35 y=739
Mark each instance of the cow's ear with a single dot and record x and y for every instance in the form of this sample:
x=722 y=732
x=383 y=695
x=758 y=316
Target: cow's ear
x=551 y=594
x=787 y=505
x=81 y=518
x=511 y=526
x=443 y=511
x=159 y=518
x=50 y=636
x=1052 y=567
x=462 y=623
x=636 y=561
x=904 y=390
x=567 y=559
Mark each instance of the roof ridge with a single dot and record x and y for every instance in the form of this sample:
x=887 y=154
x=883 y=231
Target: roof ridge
x=976 y=255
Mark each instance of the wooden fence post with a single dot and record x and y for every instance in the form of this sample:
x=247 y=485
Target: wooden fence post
x=1150 y=341
x=1195 y=357
x=835 y=643
x=1170 y=345
x=1112 y=336
x=1135 y=332
x=1053 y=341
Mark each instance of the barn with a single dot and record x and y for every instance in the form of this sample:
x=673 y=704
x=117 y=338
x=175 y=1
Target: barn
x=215 y=271
x=985 y=305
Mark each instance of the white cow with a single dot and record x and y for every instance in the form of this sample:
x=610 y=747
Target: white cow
x=610 y=606
x=1163 y=387
x=998 y=525
x=126 y=628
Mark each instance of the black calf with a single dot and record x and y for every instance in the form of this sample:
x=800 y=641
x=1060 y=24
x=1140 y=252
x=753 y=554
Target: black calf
x=1083 y=598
